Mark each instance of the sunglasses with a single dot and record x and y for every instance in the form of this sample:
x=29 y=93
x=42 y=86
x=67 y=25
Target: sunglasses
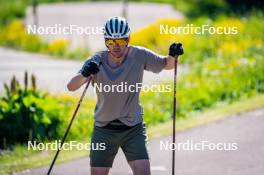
x=120 y=42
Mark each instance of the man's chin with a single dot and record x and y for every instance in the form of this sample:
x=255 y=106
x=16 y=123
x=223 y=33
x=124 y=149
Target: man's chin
x=117 y=54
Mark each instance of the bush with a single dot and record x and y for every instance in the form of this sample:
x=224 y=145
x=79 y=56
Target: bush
x=205 y=85
x=58 y=46
x=244 y=6
x=212 y=8
x=11 y=10
x=14 y=35
x=247 y=43
x=28 y=114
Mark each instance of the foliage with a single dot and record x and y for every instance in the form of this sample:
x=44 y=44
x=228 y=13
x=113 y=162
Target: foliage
x=248 y=42
x=213 y=8
x=220 y=67
x=11 y=9
x=205 y=85
x=244 y=5
x=15 y=9
x=194 y=8
x=14 y=35
x=28 y=114
x=83 y=124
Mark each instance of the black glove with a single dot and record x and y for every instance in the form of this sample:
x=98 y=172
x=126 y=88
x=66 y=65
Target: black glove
x=91 y=68
x=176 y=49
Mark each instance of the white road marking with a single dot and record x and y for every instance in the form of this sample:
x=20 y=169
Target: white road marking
x=158 y=168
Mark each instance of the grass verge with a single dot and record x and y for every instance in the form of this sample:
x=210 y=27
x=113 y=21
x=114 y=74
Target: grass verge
x=218 y=112
x=21 y=159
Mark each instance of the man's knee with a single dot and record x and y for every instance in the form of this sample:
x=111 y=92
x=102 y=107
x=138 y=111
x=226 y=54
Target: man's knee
x=99 y=170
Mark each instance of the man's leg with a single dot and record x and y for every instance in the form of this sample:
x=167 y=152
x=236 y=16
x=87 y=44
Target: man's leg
x=140 y=167
x=99 y=170
x=135 y=150
x=101 y=160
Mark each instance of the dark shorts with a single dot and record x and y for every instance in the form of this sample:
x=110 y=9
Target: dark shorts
x=132 y=141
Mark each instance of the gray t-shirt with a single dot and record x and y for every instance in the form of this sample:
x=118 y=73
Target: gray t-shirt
x=118 y=88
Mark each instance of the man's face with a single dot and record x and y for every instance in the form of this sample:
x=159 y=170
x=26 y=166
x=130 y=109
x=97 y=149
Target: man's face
x=117 y=47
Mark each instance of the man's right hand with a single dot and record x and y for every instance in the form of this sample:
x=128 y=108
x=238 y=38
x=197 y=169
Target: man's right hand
x=90 y=69
x=176 y=49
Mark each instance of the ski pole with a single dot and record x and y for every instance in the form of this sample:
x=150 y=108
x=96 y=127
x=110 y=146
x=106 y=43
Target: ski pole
x=69 y=126
x=174 y=115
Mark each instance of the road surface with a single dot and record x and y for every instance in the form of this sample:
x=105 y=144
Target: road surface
x=244 y=131
x=92 y=15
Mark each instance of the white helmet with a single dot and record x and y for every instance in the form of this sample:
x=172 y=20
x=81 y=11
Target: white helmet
x=116 y=27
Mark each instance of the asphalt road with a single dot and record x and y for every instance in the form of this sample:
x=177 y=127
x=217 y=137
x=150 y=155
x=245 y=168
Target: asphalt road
x=92 y=15
x=51 y=74
x=245 y=132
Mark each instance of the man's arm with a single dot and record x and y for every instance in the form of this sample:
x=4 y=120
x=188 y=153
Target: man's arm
x=170 y=61
x=88 y=69
x=76 y=82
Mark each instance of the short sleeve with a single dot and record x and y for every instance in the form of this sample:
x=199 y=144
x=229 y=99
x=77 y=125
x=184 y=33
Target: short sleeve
x=84 y=64
x=153 y=62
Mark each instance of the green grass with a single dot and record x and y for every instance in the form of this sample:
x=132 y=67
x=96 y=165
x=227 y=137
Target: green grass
x=20 y=158
x=218 y=112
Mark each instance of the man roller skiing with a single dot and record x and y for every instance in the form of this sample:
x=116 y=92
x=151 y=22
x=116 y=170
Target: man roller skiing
x=119 y=115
